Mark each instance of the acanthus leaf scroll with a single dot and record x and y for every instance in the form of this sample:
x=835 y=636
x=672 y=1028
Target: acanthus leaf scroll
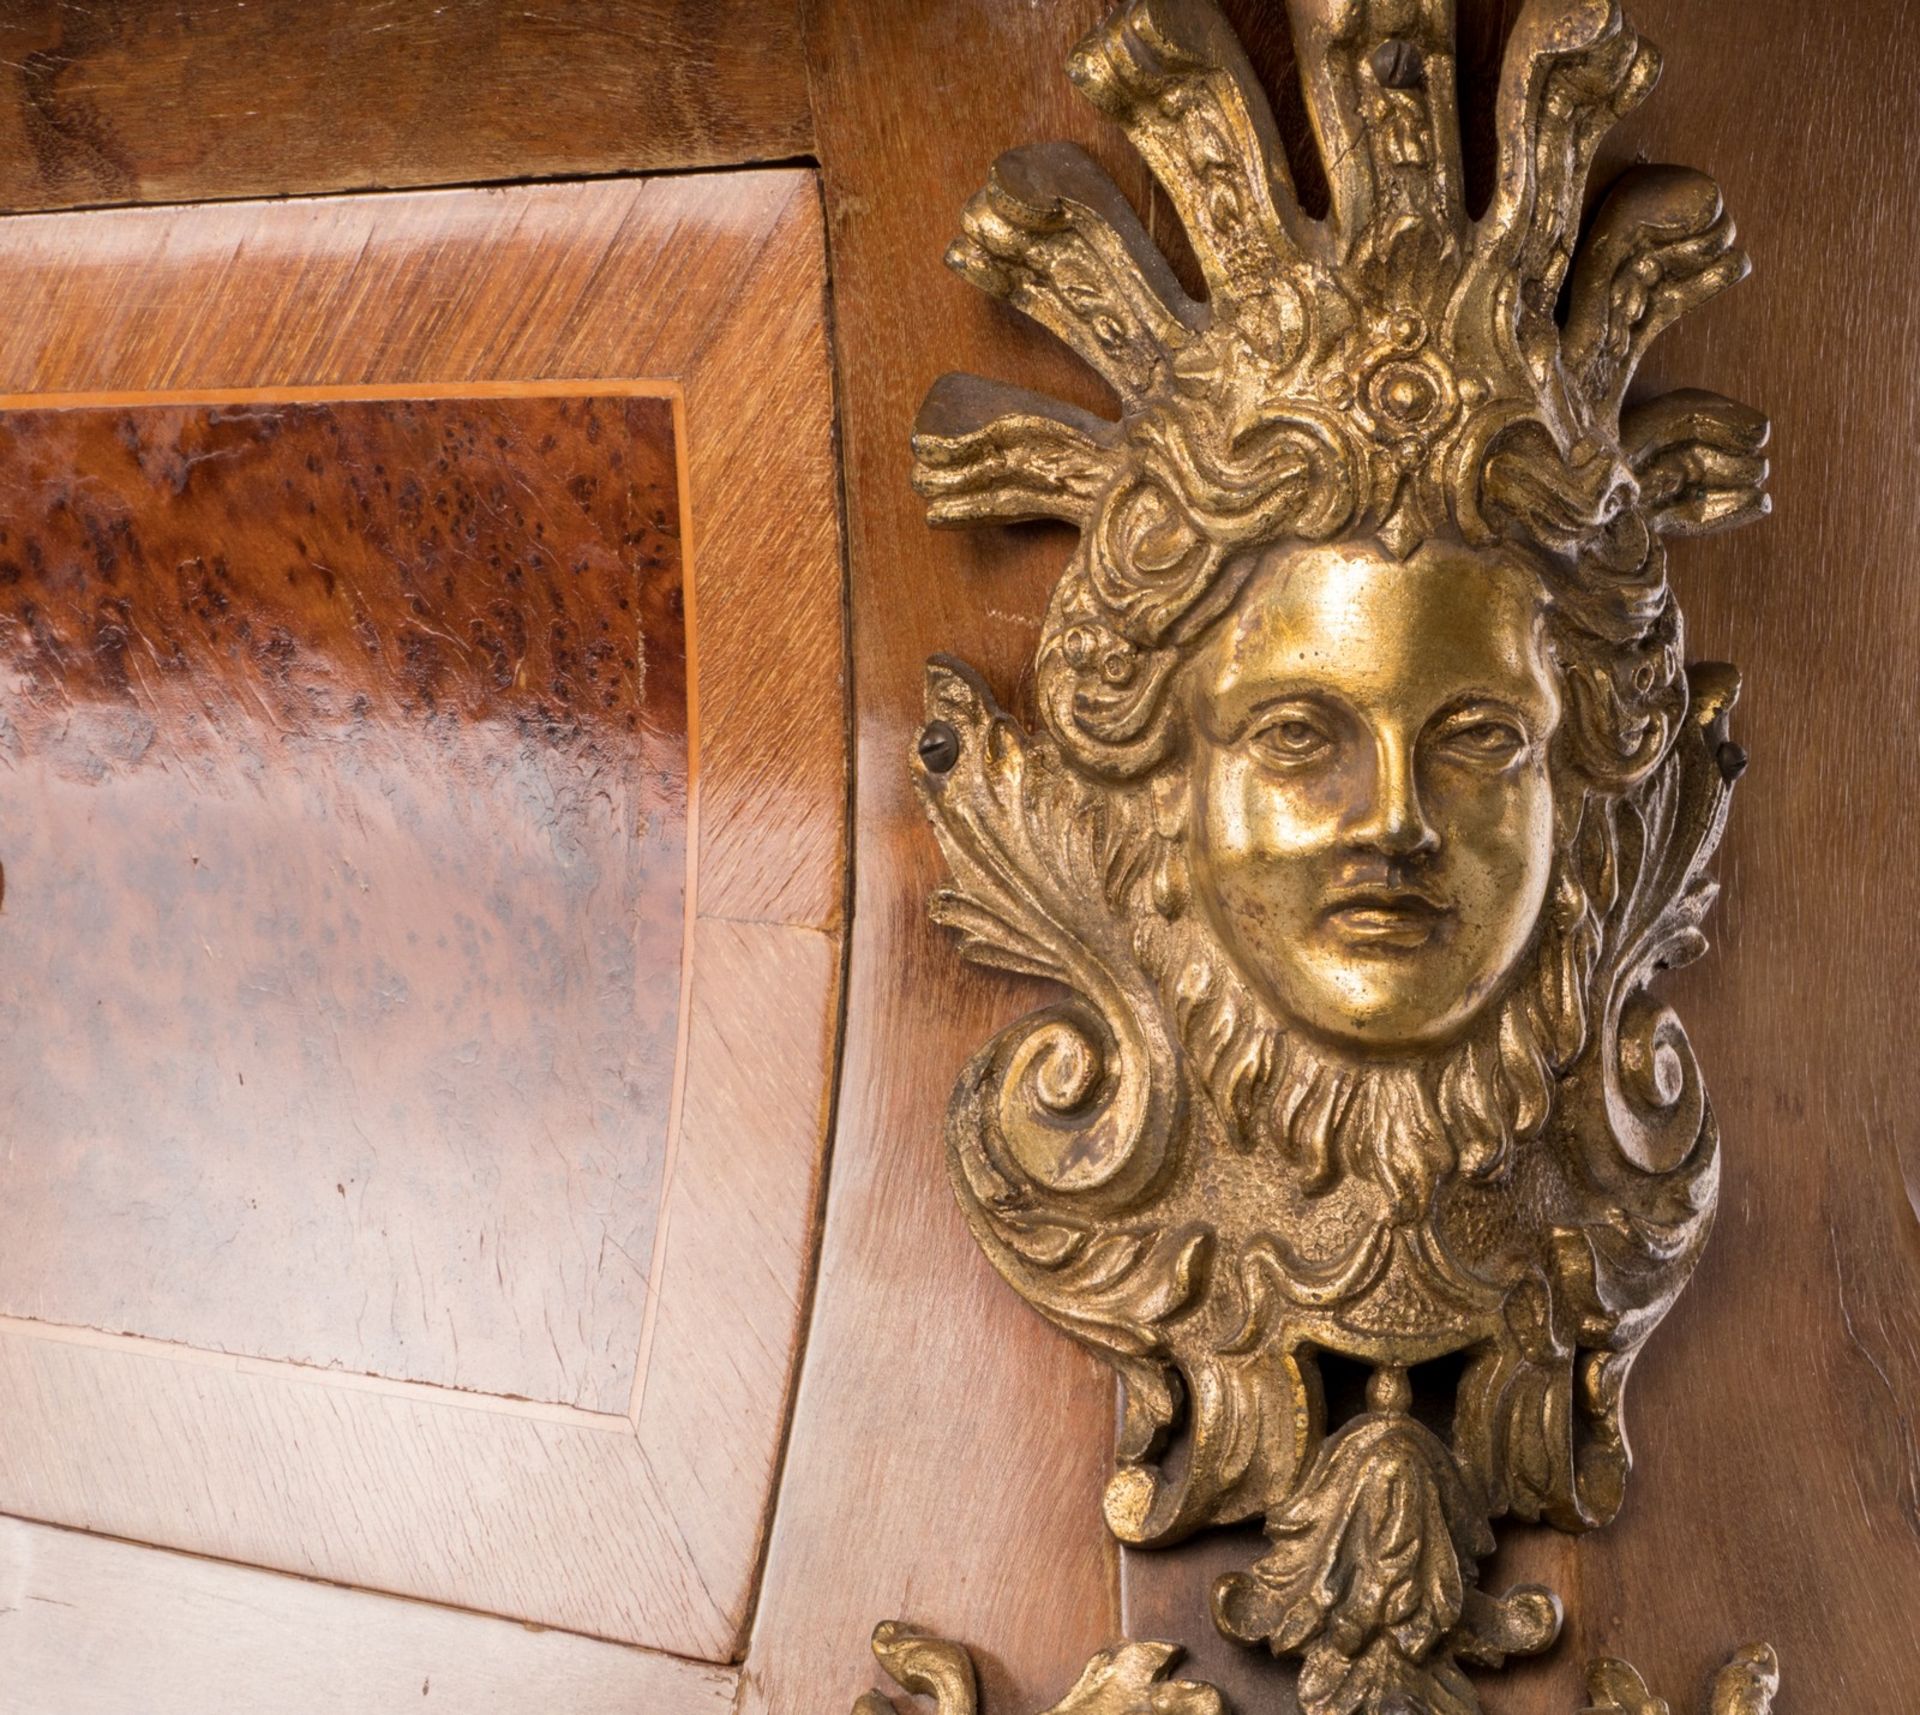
x=1136 y=1679
x=1369 y=795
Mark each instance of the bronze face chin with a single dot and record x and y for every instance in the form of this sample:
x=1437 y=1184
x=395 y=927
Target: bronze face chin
x=1369 y=810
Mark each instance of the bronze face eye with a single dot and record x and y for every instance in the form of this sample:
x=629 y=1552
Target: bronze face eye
x=1291 y=738
x=1489 y=741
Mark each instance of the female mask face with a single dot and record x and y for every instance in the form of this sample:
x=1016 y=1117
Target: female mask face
x=1370 y=818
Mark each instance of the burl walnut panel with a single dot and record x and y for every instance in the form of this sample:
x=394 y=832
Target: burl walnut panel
x=344 y=840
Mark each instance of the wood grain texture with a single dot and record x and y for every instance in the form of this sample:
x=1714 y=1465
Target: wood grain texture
x=739 y=1243
x=89 y=1625
x=114 y=101
x=948 y=1449
x=941 y=1466
x=645 y=1528
x=1776 y=1417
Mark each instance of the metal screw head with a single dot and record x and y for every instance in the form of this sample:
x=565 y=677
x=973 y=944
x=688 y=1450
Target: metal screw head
x=1398 y=64
x=939 y=747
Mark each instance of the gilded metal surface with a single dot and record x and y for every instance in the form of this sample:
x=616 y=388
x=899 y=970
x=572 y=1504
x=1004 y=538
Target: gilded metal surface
x=1745 y=1686
x=1130 y=1679
x=1370 y=792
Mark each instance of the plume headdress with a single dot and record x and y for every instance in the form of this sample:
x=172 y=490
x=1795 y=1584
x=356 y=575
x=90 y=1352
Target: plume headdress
x=1396 y=370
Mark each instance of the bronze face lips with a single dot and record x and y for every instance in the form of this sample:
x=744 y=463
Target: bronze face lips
x=1385 y=918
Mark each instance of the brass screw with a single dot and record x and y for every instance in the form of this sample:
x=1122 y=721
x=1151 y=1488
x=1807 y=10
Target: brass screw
x=939 y=747
x=1398 y=64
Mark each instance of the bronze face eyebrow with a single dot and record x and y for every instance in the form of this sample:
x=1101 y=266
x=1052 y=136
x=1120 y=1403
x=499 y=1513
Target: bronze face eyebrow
x=1470 y=701
x=1266 y=704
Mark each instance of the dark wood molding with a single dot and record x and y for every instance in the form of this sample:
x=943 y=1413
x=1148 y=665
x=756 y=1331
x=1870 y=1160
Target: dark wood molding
x=120 y=101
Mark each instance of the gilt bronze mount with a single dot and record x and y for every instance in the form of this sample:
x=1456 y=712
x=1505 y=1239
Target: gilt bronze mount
x=1370 y=792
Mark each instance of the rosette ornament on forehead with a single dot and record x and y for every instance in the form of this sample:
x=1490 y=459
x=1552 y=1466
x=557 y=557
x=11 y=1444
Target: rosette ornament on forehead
x=1395 y=371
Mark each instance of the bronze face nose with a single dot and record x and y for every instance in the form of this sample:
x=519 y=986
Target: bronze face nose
x=1389 y=818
